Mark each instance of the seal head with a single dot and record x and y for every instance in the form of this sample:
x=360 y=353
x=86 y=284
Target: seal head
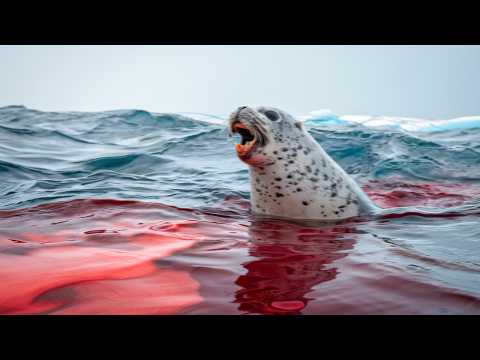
x=260 y=130
x=291 y=175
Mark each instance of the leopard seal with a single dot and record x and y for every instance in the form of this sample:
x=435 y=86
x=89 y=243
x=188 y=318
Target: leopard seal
x=291 y=175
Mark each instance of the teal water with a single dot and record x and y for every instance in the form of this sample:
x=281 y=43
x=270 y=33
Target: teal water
x=178 y=160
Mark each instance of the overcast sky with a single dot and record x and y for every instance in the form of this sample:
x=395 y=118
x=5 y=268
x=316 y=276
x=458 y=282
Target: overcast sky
x=415 y=81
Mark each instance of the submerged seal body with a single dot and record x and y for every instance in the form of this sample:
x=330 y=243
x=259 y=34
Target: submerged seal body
x=291 y=175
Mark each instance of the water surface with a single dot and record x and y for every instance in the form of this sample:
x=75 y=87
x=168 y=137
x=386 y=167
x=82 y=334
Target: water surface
x=129 y=212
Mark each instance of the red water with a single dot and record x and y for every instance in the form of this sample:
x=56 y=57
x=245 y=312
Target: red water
x=130 y=257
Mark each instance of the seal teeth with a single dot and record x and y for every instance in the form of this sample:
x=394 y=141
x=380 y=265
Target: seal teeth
x=238 y=125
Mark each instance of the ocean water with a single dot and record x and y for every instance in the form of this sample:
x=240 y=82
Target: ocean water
x=131 y=212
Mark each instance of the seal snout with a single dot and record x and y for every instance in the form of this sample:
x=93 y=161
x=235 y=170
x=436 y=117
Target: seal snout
x=246 y=122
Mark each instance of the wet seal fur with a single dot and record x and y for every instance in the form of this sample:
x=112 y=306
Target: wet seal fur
x=293 y=177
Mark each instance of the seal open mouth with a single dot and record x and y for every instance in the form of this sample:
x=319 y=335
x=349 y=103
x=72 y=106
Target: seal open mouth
x=248 y=140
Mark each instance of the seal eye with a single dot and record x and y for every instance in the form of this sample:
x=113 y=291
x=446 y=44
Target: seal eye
x=271 y=115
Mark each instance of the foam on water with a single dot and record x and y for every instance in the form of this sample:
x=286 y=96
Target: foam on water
x=327 y=117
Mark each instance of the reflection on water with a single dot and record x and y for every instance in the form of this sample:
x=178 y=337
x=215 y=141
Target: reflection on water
x=289 y=261
x=93 y=257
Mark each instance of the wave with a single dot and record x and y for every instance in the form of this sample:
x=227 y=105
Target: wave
x=131 y=161
x=188 y=158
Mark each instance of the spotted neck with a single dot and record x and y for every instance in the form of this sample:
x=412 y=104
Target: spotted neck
x=305 y=183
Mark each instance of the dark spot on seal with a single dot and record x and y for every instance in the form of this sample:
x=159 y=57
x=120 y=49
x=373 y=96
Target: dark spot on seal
x=336 y=212
x=300 y=147
x=313 y=179
x=284 y=149
x=290 y=162
x=275 y=152
x=325 y=177
x=278 y=179
x=298 y=189
x=279 y=158
x=289 y=176
x=305 y=203
x=278 y=195
x=309 y=169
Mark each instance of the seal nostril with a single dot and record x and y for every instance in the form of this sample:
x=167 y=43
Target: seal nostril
x=241 y=108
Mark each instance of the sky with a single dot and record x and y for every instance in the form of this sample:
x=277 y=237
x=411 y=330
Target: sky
x=431 y=82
